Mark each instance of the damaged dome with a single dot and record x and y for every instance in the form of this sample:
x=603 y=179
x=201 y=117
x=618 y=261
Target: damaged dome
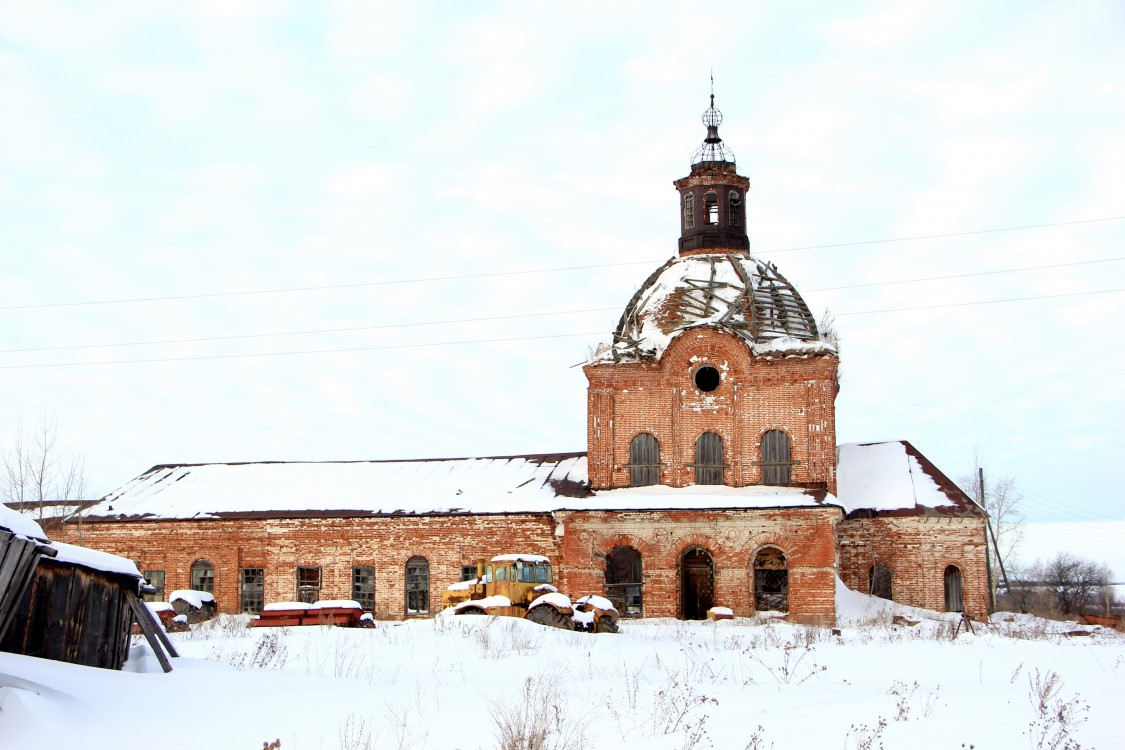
x=728 y=291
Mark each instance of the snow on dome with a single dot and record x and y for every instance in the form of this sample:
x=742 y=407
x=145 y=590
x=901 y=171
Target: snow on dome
x=730 y=291
x=20 y=524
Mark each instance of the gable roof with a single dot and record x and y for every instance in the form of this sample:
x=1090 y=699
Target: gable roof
x=892 y=478
x=493 y=485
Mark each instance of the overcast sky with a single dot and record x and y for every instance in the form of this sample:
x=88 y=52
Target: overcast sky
x=266 y=174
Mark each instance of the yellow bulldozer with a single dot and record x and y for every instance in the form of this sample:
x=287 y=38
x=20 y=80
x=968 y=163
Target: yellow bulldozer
x=520 y=585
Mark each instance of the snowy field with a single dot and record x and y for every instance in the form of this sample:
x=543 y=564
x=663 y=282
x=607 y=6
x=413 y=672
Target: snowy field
x=471 y=682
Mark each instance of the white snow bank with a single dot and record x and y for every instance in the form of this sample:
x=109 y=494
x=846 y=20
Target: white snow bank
x=159 y=606
x=95 y=559
x=663 y=497
x=336 y=604
x=597 y=601
x=462 y=585
x=195 y=598
x=853 y=608
x=883 y=476
x=19 y=523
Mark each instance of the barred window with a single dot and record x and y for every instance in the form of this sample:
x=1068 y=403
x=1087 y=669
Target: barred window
x=203 y=576
x=363 y=587
x=771 y=581
x=253 y=590
x=155 y=578
x=308 y=585
x=417 y=586
x=624 y=581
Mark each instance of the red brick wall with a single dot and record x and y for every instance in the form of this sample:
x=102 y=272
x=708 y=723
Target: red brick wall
x=796 y=395
x=336 y=545
x=917 y=550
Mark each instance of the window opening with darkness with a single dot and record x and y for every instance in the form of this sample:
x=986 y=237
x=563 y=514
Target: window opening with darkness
x=771 y=581
x=644 y=460
x=709 y=459
x=707 y=378
x=253 y=590
x=363 y=587
x=954 y=601
x=624 y=581
x=711 y=207
x=417 y=586
x=308 y=585
x=155 y=578
x=203 y=576
x=879 y=581
x=734 y=203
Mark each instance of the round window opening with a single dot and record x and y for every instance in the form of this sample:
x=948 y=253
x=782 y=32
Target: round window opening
x=707 y=378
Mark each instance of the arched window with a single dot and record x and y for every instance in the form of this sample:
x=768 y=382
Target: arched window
x=689 y=210
x=879 y=581
x=697 y=583
x=644 y=460
x=775 y=457
x=734 y=204
x=203 y=576
x=709 y=459
x=771 y=581
x=954 y=601
x=623 y=580
x=417 y=586
x=711 y=206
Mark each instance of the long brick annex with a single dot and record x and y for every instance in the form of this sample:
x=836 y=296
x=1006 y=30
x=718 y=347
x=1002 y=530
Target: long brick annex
x=711 y=477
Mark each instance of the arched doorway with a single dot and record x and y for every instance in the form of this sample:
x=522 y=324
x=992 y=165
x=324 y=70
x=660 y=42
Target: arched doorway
x=879 y=581
x=771 y=581
x=624 y=581
x=953 y=596
x=697 y=583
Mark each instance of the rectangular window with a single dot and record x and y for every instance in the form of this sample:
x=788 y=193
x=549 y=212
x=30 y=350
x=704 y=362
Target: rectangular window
x=253 y=590
x=363 y=587
x=469 y=572
x=308 y=585
x=155 y=578
x=417 y=586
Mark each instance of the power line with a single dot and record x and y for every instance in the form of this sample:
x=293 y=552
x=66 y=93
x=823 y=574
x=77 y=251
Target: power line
x=460 y=277
x=979 y=302
x=472 y=341
x=299 y=352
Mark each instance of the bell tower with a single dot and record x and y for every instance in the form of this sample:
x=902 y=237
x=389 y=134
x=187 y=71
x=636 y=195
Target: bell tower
x=713 y=196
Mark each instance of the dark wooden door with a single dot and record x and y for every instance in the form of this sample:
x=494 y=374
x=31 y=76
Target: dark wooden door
x=697 y=583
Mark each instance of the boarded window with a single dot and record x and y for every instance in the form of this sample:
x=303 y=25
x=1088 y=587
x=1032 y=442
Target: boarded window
x=308 y=585
x=775 y=457
x=709 y=459
x=155 y=578
x=363 y=587
x=879 y=581
x=711 y=205
x=697 y=583
x=203 y=576
x=689 y=211
x=623 y=581
x=771 y=581
x=417 y=586
x=253 y=593
x=644 y=460
x=953 y=595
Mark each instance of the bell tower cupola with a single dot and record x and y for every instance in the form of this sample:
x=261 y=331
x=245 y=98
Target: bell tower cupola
x=713 y=196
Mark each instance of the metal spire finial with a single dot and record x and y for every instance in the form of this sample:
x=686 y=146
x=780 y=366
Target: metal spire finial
x=713 y=148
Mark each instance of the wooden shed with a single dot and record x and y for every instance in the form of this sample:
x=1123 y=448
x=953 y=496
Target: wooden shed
x=19 y=556
x=76 y=609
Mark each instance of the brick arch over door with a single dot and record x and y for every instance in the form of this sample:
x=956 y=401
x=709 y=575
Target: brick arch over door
x=697 y=583
x=771 y=580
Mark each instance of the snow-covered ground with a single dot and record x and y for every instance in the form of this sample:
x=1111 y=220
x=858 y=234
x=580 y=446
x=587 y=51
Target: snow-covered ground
x=457 y=682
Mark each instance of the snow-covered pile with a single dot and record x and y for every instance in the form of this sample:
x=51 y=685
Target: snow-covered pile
x=18 y=523
x=196 y=599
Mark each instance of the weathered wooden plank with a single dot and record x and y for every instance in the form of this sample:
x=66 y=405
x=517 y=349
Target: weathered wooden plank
x=144 y=619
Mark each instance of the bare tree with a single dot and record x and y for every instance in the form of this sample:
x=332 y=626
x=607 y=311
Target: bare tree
x=1069 y=585
x=1001 y=501
x=38 y=477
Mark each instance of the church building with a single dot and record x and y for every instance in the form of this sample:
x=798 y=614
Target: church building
x=711 y=477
